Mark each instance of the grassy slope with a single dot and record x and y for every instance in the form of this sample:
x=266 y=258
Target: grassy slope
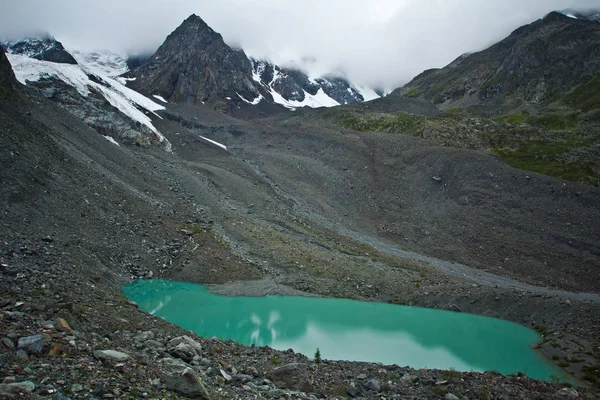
x=563 y=145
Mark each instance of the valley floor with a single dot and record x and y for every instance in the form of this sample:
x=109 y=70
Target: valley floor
x=289 y=209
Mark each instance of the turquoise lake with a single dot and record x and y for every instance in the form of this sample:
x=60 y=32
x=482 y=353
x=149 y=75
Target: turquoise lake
x=349 y=330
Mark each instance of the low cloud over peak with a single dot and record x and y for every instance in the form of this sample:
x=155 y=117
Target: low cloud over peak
x=380 y=42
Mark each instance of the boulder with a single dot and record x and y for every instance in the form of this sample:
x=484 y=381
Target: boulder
x=373 y=384
x=110 y=355
x=188 y=384
x=32 y=344
x=291 y=376
x=184 y=347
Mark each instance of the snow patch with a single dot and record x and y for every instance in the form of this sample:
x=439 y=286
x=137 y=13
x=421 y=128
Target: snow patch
x=366 y=92
x=110 y=139
x=101 y=63
x=126 y=100
x=215 y=143
x=159 y=98
x=30 y=69
x=253 y=102
x=318 y=100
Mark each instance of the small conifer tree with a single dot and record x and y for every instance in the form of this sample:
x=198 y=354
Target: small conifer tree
x=318 y=356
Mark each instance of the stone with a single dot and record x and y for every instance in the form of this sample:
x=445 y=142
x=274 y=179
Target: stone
x=291 y=376
x=408 y=378
x=241 y=378
x=373 y=384
x=55 y=351
x=62 y=325
x=110 y=355
x=450 y=396
x=252 y=371
x=187 y=384
x=144 y=336
x=184 y=347
x=362 y=376
x=76 y=387
x=154 y=344
x=32 y=344
x=14 y=390
x=225 y=375
x=8 y=343
x=567 y=394
x=99 y=388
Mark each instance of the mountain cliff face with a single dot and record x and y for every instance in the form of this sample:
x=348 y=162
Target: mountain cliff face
x=44 y=48
x=7 y=76
x=537 y=64
x=195 y=65
x=295 y=86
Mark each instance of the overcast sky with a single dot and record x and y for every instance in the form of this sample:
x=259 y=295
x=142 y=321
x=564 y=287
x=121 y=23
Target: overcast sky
x=372 y=41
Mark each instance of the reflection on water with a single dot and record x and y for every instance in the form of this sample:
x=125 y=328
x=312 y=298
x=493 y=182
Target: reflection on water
x=349 y=330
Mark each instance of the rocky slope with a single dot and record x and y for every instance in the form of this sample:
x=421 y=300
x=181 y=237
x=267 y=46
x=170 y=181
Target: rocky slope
x=531 y=99
x=538 y=64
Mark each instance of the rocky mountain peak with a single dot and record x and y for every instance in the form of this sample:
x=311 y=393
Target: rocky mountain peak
x=44 y=48
x=537 y=63
x=195 y=65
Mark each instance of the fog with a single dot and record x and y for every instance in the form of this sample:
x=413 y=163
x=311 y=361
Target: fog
x=378 y=42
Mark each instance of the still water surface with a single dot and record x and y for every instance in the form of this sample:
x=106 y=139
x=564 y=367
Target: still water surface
x=349 y=330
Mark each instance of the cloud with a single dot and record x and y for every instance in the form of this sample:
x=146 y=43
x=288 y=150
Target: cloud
x=383 y=42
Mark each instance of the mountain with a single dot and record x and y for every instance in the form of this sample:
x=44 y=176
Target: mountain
x=532 y=99
x=554 y=60
x=293 y=88
x=194 y=65
x=45 y=48
x=91 y=89
x=91 y=200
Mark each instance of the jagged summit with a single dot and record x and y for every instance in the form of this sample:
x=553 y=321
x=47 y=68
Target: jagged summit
x=43 y=48
x=195 y=65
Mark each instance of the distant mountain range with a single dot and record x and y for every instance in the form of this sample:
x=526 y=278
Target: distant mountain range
x=195 y=65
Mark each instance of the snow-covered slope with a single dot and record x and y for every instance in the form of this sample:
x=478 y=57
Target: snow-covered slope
x=293 y=88
x=93 y=71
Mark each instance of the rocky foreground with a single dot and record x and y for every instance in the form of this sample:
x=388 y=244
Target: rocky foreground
x=95 y=344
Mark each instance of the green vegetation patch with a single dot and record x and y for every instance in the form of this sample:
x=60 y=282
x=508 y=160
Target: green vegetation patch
x=553 y=158
x=514 y=119
x=586 y=97
x=554 y=122
x=379 y=122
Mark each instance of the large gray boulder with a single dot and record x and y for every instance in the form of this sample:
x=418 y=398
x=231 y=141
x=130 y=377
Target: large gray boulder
x=292 y=376
x=188 y=384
